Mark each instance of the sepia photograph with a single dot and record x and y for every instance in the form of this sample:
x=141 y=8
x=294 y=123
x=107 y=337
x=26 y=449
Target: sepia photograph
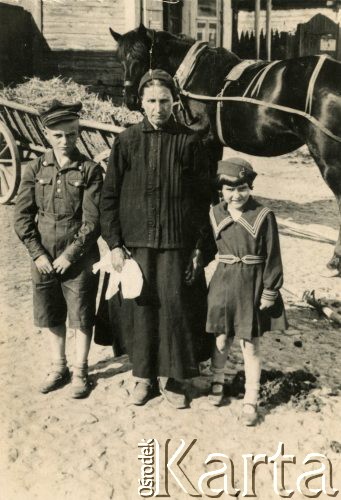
x=170 y=264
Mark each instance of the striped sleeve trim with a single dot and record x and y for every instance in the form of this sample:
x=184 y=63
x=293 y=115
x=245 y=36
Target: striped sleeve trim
x=269 y=294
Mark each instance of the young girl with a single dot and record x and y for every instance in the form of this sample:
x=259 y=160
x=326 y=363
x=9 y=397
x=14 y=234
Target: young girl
x=244 y=299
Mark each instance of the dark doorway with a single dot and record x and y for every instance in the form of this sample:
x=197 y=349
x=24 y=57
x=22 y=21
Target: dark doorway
x=172 y=17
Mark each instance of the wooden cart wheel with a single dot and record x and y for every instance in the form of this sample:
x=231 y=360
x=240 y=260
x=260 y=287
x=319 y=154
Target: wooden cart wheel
x=9 y=165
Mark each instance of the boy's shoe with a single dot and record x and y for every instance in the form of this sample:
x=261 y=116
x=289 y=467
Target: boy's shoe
x=143 y=391
x=80 y=386
x=216 y=394
x=55 y=380
x=249 y=415
x=173 y=393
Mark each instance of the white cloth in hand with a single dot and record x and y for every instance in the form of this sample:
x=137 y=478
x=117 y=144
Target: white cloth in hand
x=131 y=278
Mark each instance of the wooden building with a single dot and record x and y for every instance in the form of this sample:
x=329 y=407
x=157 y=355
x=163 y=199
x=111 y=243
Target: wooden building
x=65 y=37
x=231 y=23
x=71 y=37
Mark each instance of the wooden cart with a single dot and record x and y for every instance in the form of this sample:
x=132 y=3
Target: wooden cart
x=22 y=136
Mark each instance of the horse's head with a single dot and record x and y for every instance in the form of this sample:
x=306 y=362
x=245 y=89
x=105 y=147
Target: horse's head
x=142 y=49
x=133 y=51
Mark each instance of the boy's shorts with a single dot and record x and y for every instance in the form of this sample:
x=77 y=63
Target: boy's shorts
x=57 y=296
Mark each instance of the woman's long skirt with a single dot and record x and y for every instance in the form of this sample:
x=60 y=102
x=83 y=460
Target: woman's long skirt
x=163 y=330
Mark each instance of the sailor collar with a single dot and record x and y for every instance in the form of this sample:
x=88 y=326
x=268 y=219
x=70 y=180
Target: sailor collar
x=251 y=219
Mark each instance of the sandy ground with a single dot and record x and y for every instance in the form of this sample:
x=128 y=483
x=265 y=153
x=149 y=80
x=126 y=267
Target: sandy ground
x=56 y=448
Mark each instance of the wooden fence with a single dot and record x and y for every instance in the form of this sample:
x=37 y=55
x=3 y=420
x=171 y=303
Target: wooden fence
x=320 y=35
x=282 y=45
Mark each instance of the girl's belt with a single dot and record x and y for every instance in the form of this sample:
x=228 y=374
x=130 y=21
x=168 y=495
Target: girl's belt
x=246 y=259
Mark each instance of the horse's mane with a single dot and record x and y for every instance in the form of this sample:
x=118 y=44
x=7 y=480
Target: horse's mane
x=132 y=43
x=169 y=49
x=136 y=43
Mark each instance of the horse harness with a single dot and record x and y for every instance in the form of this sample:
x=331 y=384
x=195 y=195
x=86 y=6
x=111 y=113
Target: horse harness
x=250 y=95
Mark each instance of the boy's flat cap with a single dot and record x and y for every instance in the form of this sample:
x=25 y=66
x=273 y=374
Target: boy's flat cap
x=60 y=112
x=157 y=74
x=236 y=168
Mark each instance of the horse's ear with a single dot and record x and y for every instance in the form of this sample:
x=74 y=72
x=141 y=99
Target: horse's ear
x=145 y=32
x=142 y=29
x=116 y=36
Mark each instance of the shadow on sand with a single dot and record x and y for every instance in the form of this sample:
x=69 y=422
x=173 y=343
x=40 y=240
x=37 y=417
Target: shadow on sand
x=324 y=212
x=104 y=370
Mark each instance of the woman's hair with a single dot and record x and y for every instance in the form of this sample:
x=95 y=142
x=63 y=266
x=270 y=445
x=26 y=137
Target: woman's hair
x=159 y=83
x=223 y=179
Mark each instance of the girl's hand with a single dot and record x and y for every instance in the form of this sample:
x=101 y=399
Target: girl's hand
x=194 y=268
x=266 y=304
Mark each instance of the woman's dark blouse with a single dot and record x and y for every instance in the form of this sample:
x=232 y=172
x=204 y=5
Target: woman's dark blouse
x=156 y=192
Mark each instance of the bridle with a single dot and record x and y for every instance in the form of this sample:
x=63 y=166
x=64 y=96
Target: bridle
x=127 y=83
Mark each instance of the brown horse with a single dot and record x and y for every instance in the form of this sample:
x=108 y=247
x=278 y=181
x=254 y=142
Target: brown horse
x=248 y=125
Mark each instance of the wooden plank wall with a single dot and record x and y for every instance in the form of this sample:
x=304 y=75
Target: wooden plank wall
x=77 y=34
x=82 y=25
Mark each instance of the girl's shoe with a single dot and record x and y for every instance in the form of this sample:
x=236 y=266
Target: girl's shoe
x=249 y=415
x=216 y=394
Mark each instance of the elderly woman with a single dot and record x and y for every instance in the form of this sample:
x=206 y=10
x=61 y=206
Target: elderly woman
x=155 y=203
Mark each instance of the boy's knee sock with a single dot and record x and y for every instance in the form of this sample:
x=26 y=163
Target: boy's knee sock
x=60 y=364
x=80 y=369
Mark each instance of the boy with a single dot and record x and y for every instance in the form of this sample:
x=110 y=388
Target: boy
x=57 y=218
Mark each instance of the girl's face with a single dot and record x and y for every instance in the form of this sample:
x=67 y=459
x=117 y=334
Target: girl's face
x=237 y=196
x=157 y=103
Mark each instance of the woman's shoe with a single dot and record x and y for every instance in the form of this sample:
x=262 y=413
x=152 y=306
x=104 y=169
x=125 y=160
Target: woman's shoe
x=216 y=394
x=142 y=392
x=249 y=415
x=173 y=393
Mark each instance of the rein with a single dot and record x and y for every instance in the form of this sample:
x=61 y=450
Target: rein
x=129 y=83
x=220 y=99
x=151 y=51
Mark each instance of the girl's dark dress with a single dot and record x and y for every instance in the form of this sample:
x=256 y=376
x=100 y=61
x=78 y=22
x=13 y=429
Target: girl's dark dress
x=236 y=288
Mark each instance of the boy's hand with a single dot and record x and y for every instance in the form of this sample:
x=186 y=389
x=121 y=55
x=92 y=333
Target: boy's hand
x=266 y=304
x=61 y=264
x=43 y=264
x=117 y=259
x=194 y=268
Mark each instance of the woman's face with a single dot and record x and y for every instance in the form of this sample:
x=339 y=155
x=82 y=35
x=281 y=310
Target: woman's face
x=157 y=103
